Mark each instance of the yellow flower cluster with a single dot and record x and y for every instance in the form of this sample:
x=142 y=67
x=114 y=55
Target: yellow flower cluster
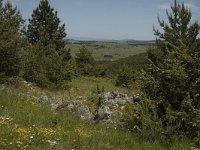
x=33 y=131
x=5 y=121
x=23 y=136
x=26 y=135
x=46 y=132
x=2 y=141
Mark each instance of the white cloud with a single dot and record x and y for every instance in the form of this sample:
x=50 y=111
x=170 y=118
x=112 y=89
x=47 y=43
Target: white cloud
x=189 y=5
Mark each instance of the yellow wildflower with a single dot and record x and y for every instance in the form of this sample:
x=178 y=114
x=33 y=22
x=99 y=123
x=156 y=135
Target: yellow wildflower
x=5 y=120
x=2 y=141
x=46 y=132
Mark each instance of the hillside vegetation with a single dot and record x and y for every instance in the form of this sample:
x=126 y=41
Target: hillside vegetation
x=109 y=51
x=98 y=95
x=28 y=124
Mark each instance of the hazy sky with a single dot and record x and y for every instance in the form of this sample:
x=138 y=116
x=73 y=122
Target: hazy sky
x=109 y=19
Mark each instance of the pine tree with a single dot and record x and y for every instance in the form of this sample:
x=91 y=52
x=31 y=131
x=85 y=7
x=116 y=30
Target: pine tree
x=44 y=27
x=49 y=63
x=85 y=62
x=179 y=26
x=10 y=39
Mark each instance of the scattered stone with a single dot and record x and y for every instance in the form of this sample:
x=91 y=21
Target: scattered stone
x=104 y=113
x=194 y=148
x=80 y=109
x=75 y=107
x=136 y=98
x=58 y=105
x=43 y=99
x=115 y=98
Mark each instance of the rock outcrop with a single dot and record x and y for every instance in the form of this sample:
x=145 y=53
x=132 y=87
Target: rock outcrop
x=76 y=107
x=115 y=98
x=112 y=102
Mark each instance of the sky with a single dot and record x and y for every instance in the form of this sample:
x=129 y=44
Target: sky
x=109 y=19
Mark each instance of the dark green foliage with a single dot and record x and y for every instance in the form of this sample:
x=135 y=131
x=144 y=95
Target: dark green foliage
x=47 y=70
x=142 y=119
x=100 y=70
x=170 y=98
x=10 y=40
x=169 y=86
x=173 y=88
x=67 y=55
x=125 y=77
x=48 y=62
x=135 y=62
x=44 y=27
x=85 y=62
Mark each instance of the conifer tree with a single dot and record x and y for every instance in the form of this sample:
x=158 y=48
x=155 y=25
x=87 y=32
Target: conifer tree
x=44 y=27
x=85 y=62
x=10 y=39
x=179 y=26
x=170 y=83
x=49 y=63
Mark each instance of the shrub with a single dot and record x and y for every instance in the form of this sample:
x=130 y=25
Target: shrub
x=171 y=88
x=125 y=77
x=85 y=62
x=47 y=70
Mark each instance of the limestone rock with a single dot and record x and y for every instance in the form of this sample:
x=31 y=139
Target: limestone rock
x=115 y=98
x=104 y=112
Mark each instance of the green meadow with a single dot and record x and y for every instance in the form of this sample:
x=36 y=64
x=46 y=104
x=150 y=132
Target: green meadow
x=108 y=51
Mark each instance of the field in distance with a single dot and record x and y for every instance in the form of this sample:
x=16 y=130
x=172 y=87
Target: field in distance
x=108 y=51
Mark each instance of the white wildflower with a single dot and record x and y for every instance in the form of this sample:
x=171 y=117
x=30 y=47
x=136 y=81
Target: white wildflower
x=52 y=143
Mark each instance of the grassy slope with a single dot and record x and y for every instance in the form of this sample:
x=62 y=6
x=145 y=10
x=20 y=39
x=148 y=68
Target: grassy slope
x=135 y=62
x=33 y=127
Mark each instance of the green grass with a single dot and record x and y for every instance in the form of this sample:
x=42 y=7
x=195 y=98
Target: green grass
x=84 y=86
x=35 y=126
x=117 y=50
x=79 y=87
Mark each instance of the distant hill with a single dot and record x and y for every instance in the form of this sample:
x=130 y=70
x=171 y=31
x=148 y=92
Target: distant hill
x=139 y=42
x=124 y=41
